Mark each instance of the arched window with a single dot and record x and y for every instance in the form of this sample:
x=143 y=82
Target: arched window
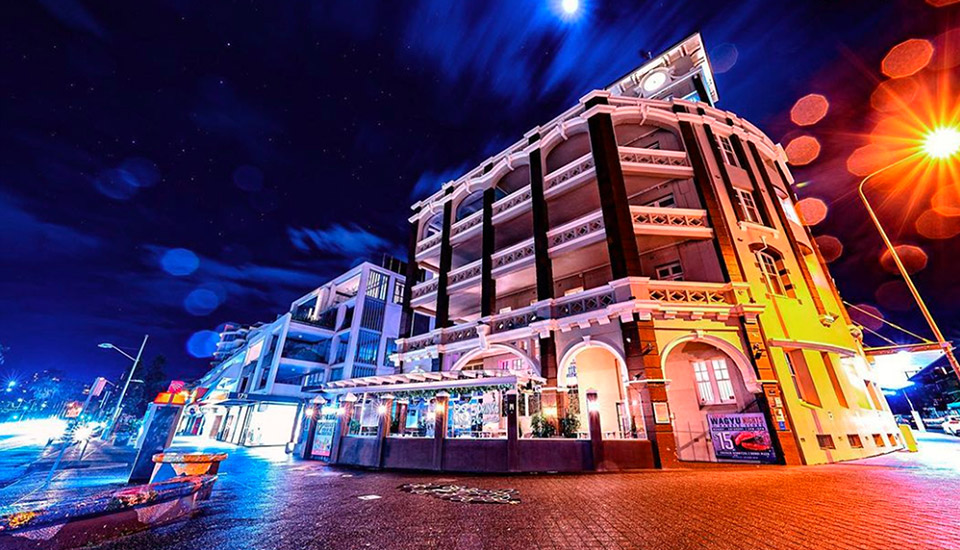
x=472 y=203
x=774 y=272
x=432 y=226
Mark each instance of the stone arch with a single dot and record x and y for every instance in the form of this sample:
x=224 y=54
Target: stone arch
x=594 y=372
x=430 y=223
x=627 y=123
x=464 y=359
x=552 y=144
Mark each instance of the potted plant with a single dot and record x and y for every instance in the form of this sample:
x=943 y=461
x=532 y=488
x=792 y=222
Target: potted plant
x=569 y=425
x=541 y=427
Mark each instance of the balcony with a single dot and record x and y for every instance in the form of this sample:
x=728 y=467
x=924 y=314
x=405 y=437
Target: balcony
x=676 y=222
x=618 y=299
x=326 y=320
x=671 y=164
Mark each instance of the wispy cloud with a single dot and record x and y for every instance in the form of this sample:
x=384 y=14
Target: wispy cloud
x=25 y=236
x=349 y=241
x=430 y=181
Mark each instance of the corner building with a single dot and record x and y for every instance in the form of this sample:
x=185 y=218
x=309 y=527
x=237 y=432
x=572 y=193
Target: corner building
x=644 y=244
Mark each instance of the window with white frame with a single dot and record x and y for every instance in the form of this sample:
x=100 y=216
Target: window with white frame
x=714 y=386
x=726 y=146
x=774 y=276
x=672 y=271
x=789 y=210
x=747 y=204
x=398 y=291
x=377 y=285
x=666 y=201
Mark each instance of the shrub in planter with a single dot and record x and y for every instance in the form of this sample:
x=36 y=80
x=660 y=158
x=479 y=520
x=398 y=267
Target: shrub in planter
x=542 y=428
x=569 y=425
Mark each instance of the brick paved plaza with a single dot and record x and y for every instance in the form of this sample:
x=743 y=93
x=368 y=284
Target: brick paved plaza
x=267 y=502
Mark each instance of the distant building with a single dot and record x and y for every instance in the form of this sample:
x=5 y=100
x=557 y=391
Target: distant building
x=344 y=329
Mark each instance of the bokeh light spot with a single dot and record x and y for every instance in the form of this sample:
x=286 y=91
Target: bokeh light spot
x=866 y=315
x=201 y=302
x=894 y=95
x=115 y=184
x=830 y=247
x=907 y=58
x=946 y=200
x=946 y=50
x=723 y=58
x=941 y=3
x=140 y=172
x=202 y=344
x=868 y=159
x=248 y=178
x=802 y=150
x=812 y=211
x=894 y=295
x=809 y=109
x=913 y=258
x=179 y=262
x=932 y=225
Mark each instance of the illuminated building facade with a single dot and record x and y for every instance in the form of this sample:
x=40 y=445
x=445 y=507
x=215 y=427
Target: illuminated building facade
x=344 y=329
x=644 y=245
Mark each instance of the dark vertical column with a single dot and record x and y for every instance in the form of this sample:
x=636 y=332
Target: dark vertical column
x=410 y=278
x=488 y=286
x=702 y=90
x=513 y=448
x=311 y=431
x=643 y=362
x=787 y=228
x=723 y=241
x=544 y=265
x=440 y=428
x=446 y=259
x=745 y=163
x=618 y=224
x=722 y=168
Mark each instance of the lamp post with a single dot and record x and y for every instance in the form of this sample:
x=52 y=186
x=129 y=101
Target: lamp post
x=136 y=361
x=939 y=144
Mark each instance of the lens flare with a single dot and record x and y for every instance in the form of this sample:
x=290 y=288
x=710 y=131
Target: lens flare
x=868 y=159
x=812 y=211
x=809 y=109
x=868 y=316
x=894 y=295
x=907 y=58
x=946 y=200
x=830 y=247
x=912 y=257
x=932 y=225
x=942 y=143
x=802 y=150
x=894 y=95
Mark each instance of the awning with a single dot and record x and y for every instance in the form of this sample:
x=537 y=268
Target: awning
x=415 y=381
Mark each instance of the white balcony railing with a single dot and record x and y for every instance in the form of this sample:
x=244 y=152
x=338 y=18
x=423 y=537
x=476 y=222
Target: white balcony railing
x=669 y=217
x=568 y=172
x=656 y=157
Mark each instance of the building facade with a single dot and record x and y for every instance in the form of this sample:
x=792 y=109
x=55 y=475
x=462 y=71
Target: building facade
x=344 y=329
x=644 y=245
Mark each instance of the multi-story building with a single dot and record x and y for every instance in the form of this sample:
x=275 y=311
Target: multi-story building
x=344 y=329
x=644 y=244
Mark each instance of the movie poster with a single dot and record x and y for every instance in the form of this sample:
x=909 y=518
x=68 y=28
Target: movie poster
x=741 y=437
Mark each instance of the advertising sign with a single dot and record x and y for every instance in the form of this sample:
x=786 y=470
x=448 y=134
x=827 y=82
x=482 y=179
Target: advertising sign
x=323 y=439
x=741 y=437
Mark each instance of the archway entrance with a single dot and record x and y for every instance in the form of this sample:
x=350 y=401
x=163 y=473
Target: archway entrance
x=706 y=383
x=595 y=367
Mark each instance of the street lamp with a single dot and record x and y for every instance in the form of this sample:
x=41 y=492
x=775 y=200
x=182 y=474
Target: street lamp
x=940 y=143
x=136 y=361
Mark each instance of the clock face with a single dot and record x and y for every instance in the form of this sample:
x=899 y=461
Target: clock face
x=654 y=81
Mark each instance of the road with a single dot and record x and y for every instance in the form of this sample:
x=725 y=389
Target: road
x=264 y=500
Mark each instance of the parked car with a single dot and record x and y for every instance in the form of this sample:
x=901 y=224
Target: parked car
x=951 y=425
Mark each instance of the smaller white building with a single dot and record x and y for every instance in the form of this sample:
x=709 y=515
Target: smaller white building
x=344 y=329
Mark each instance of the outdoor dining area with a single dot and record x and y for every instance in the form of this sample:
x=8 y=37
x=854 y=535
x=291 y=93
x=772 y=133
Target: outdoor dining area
x=477 y=420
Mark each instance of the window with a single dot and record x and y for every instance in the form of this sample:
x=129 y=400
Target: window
x=747 y=204
x=878 y=440
x=371 y=316
x=347 y=318
x=336 y=374
x=800 y=374
x=855 y=441
x=672 y=271
x=714 y=386
x=826 y=441
x=728 y=154
x=433 y=226
x=421 y=324
x=774 y=273
x=666 y=201
x=377 y=285
x=398 y=291
x=471 y=204
x=368 y=347
x=512 y=364
x=893 y=440
x=789 y=210
x=389 y=349
x=834 y=379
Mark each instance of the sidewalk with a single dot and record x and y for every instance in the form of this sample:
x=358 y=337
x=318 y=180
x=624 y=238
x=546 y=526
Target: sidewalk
x=936 y=451
x=103 y=466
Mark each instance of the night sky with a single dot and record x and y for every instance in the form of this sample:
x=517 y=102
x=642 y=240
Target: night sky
x=169 y=166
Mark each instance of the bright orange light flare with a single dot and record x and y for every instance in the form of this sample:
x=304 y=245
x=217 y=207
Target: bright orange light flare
x=802 y=150
x=907 y=58
x=809 y=109
x=942 y=143
x=946 y=201
x=812 y=211
x=913 y=258
x=893 y=95
x=941 y=3
x=830 y=247
x=932 y=225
